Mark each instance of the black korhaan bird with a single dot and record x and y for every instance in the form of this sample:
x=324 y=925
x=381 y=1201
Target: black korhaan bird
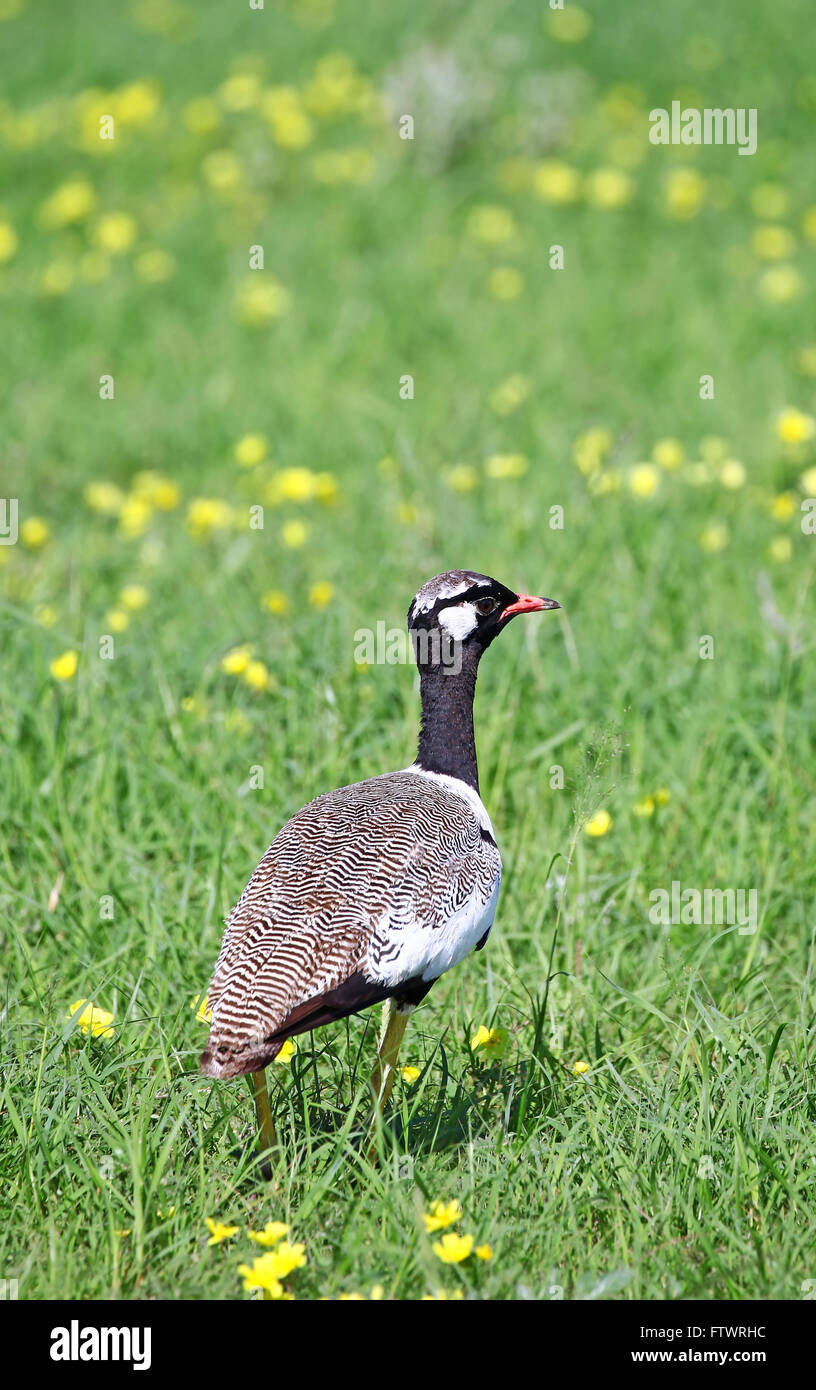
x=373 y=891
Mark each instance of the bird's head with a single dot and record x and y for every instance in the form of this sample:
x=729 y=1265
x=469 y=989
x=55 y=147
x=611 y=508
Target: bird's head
x=461 y=612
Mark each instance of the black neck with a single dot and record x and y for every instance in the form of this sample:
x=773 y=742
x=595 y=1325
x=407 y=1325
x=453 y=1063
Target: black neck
x=446 y=739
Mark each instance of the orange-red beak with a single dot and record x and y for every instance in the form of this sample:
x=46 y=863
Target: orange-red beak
x=528 y=603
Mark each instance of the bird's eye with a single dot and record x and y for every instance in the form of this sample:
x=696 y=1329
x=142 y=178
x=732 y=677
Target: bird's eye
x=485 y=605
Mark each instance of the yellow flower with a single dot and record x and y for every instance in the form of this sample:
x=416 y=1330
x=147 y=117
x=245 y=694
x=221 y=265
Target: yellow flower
x=72 y=202
x=157 y=491
x=270 y=1268
x=809 y=223
x=35 y=533
x=506 y=466
x=505 y=283
x=275 y=602
x=207 y=514
x=105 y=498
x=452 y=1248
x=607 y=188
x=218 y=1231
x=222 y=170
x=491 y=225
x=203 y=1012
x=780 y=284
x=442 y=1214
x=257 y=676
x=714 y=538
x=90 y=1019
x=580 y=1068
x=783 y=506
x=321 y=594
x=260 y=299
x=410 y=1074
x=134 y=515
x=45 y=615
x=236 y=660
x=492 y=1041
x=662 y=796
x=325 y=487
x=645 y=807
x=286 y=1053
x=240 y=92
x=780 y=549
x=643 y=480
x=8 y=241
x=732 y=474
x=64 y=666
x=294 y=534
x=154 y=265
x=683 y=193
x=668 y=454
x=116 y=620
x=589 y=450
x=292 y=485
x=772 y=243
x=461 y=478
x=713 y=448
x=272 y=1232
x=137 y=102
x=115 y=232
x=201 y=116
x=251 y=449
x=133 y=597
x=483 y=1252
x=795 y=427
x=510 y=394
x=598 y=824
x=807 y=482
x=604 y=481
x=569 y=25
x=556 y=182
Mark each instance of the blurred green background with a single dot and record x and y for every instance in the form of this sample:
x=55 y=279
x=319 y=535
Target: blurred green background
x=533 y=388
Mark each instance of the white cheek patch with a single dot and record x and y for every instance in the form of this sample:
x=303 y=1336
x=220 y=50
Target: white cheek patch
x=425 y=601
x=459 y=622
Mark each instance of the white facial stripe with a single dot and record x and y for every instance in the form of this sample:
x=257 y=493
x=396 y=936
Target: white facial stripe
x=442 y=591
x=459 y=621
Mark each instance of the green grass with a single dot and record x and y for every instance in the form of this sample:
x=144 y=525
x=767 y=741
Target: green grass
x=680 y=1165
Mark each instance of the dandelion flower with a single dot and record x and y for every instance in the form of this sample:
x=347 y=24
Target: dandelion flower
x=64 y=666
x=491 y=225
x=134 y=515
x=714 y=538
x=780 y=284
x=115 y=233
x=90 y=1019
x=294 y=534
x=275 y=602
x=599 y=824
x=668 y=454
x=35 y=533
x=116 y=620
x=442 y=1214
x=643 y=480
x=250 y=450
x=321 y=594
x=483 y=1252
x=257 y=676
x=772 y=243
x=219 y=1232
x=795 y=427
x=608 y=188
x=410 y=1074
x=200 y=1004
x=556 y=182
x=683 y=194
x=780 y=549
x=491 y=1041
x=133 y=597
x=461 y=478
x=272 y=1232
x=580 y=1068
x=8 y=241
x=261 y=298
x=236 y=660
x=286 y=1053
x=72 y=202
x=104 y=498
x=207 y=514
x=645 y=807
x=453 y=1248
x=662 y=796
x=505 y=283
x=506 y=466
x=732 y=474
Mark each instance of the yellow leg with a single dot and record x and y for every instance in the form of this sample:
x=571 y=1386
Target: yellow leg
x=264 y=1111
x=395 y=1021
